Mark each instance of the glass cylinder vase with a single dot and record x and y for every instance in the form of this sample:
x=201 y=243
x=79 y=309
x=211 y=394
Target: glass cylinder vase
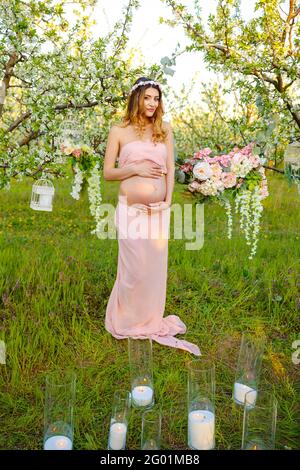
x=59 y=410
x=248 y=368
x=141 y=373
x=201 y=404
x=119 y=420
x=259 y=424
x=151 y=430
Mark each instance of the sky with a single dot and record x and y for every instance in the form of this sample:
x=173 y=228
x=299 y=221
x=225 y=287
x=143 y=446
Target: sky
x=154 y=40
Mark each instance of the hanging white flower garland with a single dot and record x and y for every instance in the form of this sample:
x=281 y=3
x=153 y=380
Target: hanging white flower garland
x=248 y=204
x=95 y=199
x=229 y=218
x=256 y=209
x=226 y=203
x=78 y=179
x=94 y=194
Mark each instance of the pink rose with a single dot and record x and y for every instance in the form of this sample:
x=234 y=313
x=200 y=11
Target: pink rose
x=229 y=179
x=206 y=151
x=238 y=157
x=225 y=160
x=202 y=153
x=186 y=167
x=216 y=170
x=218 y=184
x=198 y=156
x=254 y=160
x=76 y=153
x=194 y=186
x=248 y=149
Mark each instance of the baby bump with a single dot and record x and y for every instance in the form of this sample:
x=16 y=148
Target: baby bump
x=139 y=189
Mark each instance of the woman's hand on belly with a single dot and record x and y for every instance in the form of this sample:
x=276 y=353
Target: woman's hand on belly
x=158 y=206
x=152 y=207
x=142 y=207
x=149 y=169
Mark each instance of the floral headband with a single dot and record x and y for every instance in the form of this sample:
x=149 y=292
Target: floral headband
x=147 y=82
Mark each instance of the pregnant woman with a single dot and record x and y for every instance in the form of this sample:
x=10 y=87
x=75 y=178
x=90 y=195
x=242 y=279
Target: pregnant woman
x=144 y=145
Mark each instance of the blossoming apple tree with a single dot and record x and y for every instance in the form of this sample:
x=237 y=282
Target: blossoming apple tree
x=260 y=55
x=53 y=70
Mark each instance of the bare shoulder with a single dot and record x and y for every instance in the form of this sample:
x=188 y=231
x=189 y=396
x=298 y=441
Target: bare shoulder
x=116 y=126
x=115 y=131
x=121 y=133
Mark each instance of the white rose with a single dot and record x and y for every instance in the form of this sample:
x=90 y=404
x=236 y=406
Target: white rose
x=202 y=171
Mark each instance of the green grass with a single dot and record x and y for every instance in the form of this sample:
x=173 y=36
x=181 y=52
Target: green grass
x=55 y=282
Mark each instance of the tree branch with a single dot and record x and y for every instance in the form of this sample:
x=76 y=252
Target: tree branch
x=127 y=16
x=273 y=169
x=18 y=121
x=28 y=138
x=21 y=79
x=264 y=77
x=13 y=59
x=294 y=113
x=291 y=16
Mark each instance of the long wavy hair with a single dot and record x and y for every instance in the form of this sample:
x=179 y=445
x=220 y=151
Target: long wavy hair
x=134 y=109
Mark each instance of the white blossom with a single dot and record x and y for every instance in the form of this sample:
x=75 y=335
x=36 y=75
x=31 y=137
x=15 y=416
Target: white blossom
x=95 y=199
x=249 y=205
x=76 y=188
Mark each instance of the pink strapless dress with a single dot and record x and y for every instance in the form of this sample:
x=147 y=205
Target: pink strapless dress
x=137 y=301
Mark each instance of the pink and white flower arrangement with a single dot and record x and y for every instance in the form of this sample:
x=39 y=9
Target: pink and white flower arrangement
x=239 y=175
x=217 y=174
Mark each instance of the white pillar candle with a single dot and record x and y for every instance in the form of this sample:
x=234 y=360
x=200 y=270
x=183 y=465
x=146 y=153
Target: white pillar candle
x=201 y=430
x=240 y=391
x=142 y=395
x=117 y=436
x=45 y=200
x=58 y=443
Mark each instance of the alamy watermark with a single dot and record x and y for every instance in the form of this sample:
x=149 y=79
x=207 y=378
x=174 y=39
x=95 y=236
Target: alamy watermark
x=129 y=222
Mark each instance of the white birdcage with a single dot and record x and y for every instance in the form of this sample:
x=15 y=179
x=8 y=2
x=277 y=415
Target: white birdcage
x=71 y=134
x=42 y=195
